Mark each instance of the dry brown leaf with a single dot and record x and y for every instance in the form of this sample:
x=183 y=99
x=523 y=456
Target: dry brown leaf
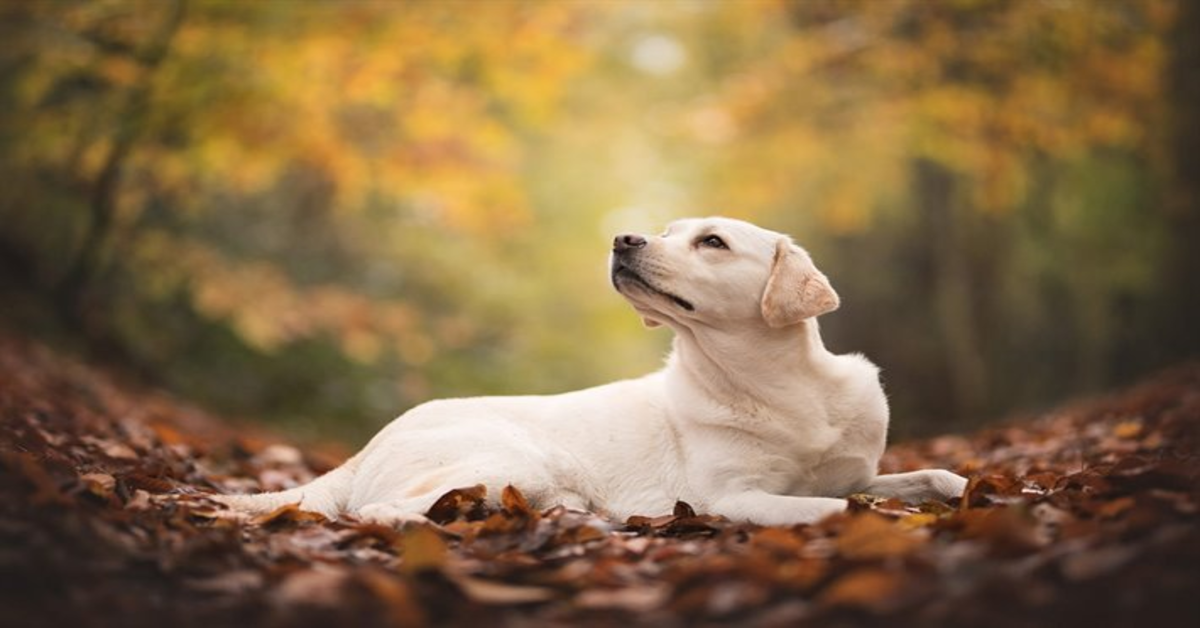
x=1094 y=562
x=101 y=485
x=918 y=520
x=1115 y=508
x=871 y=589
x=460 y=503
x=803 y=574
x=784 y=541
x=287 y=514
x=423 y=550
x=869 y=536
x=500 y=593
x=515 y=503
x=1006 y=530
x=46 y=489
x=235 y=582
x=401 y=605
x=112 y=448
x=633 y=599
x=1127 y=429
x=140 y=501
x=320 y=586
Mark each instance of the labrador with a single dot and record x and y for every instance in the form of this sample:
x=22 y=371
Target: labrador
x=752 y=417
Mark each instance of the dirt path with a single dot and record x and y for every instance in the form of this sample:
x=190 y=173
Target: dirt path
x=1084 y=517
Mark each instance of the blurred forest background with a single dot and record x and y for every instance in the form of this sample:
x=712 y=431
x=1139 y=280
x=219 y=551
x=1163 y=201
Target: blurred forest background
x=325 y=212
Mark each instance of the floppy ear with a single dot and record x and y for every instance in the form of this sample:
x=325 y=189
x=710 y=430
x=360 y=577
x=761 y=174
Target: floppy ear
x=796 y=290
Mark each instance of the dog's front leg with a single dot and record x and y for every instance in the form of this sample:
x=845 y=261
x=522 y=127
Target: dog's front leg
x=918 y=486
x=766 y=509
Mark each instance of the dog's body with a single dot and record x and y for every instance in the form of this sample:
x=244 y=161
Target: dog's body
x=751 y=418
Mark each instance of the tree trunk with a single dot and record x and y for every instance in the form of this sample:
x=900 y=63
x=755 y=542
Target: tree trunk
x=1181 y=336
x=102 y=201
x=953 y=291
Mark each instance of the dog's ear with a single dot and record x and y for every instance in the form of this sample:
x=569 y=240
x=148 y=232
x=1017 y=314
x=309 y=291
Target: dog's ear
x=796 y=290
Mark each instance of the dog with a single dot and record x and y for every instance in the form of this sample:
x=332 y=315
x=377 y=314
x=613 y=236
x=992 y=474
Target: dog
x=751 y=418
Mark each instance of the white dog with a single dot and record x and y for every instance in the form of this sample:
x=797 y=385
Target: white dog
x=752 y=418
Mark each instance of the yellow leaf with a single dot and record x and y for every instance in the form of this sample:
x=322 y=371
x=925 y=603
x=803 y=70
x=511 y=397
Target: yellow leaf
x=424 y=550
x=1128 y=429
x=919 y=520
x=870 y=536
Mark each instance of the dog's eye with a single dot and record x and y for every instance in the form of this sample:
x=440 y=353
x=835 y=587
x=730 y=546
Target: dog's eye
x=712 y=242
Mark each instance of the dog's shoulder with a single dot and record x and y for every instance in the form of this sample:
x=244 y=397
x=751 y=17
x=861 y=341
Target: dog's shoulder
x=859 y=365
x=855 y=372
x=859 y=395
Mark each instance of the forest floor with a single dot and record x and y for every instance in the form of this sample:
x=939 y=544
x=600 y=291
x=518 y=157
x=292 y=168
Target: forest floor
x=1086 y=516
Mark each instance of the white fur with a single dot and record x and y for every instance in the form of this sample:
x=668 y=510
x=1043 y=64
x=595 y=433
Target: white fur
x=751 y=418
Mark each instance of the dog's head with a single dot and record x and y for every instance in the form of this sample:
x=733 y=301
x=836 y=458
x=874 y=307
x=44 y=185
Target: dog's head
x=719 y=272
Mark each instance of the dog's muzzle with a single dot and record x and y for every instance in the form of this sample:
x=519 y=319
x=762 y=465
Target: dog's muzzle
x=625 y=248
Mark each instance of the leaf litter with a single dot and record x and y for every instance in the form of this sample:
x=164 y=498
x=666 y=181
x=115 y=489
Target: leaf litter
x=1083 y=517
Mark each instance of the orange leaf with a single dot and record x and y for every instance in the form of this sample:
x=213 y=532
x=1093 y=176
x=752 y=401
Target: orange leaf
x=459 y=503
x=872 y=589
x=424 y=550
x=1127 y=429
x=289 y=513
x=870 y=536
x=515 y=503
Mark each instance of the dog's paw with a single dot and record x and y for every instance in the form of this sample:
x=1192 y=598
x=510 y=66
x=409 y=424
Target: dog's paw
x=389 y=515
x=944 y=485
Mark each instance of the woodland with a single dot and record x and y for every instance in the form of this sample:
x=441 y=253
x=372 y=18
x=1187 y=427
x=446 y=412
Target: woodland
x=237 y=238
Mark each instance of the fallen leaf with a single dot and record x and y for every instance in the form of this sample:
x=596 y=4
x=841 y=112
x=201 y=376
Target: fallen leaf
x=279 y=455
x=803 y=574
x=138 y=480
x=683 y=510
x=402 y=607
x=918 y=520
x=423 y=550
x=320 y=586
x=869 y=536
x=984 y=490
x=1115 y=508
x=632 y=599
x=1095 y=562
x=460 y=503
x=1127 y=429
x=782 y=541
x=111 y=448
x=500 y=593
x=235 y=582
x=101 y=485
x=139 y=501
x=1007 y=531
x=287 y=514
x=46 y=489
x=875 y=590
x=515 y=503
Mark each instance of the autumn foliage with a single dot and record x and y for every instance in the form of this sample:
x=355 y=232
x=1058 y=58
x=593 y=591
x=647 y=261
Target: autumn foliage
x=324 y=212
x=346 y=208
x=1085 y=516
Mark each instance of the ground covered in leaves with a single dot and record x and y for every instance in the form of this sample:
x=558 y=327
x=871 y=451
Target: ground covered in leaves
x=1085 y=516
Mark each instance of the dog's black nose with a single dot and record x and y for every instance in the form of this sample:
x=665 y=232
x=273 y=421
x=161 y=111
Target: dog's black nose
x=627 y=241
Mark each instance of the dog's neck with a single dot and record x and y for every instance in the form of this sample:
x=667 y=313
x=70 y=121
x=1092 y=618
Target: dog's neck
x=757 y=366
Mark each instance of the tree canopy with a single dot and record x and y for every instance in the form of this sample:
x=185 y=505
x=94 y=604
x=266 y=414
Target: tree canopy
x=338 y=209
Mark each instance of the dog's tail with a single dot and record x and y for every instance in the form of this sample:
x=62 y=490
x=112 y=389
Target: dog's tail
x=327 y=494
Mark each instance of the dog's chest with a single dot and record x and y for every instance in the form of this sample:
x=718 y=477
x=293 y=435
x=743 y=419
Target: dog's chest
x=810 y=450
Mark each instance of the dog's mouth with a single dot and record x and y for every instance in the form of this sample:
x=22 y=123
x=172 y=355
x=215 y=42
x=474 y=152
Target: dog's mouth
x=621 y=272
